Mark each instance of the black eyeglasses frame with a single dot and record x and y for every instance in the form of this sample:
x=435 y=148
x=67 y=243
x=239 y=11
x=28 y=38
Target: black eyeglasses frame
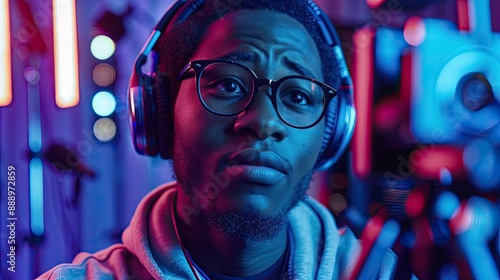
x=199 y=65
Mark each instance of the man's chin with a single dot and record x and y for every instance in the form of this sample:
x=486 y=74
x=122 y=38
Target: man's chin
x=247 y=225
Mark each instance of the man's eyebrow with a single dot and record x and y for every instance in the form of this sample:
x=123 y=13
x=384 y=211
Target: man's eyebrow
x=299 y=68
x=238 y=56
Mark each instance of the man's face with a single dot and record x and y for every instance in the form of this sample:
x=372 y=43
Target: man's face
x=252 y=161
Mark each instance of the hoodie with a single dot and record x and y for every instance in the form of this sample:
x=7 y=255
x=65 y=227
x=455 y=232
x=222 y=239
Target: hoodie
x=150 y=250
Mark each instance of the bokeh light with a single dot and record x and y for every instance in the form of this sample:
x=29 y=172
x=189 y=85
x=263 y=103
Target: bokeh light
x=104 y=74
x=414 y=31
x=102 y=47
x=337 y=203
x=104 y=103
x=105 y=129
x=374 y=3
x=447 y=204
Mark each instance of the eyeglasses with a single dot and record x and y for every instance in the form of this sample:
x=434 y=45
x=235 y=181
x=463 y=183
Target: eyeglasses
x=227 y=88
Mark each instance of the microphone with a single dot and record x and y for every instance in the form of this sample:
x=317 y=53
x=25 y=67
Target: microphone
x=475 y=224
x=65 y=159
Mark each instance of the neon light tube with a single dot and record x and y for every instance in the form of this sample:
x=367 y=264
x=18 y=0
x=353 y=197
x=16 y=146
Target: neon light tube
x=34 y=119
x=363 y=100
x=65 y=53
x=5 y=55
x=36 y=196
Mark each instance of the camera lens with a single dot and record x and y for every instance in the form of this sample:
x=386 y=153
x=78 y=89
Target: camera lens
x=475 y=91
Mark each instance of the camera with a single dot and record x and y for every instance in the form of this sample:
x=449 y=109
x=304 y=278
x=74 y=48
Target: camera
x=455 y=80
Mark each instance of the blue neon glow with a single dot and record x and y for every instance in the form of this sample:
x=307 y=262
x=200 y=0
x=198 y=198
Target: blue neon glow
x=104 y=103
x=102 y=47
x=480 y=20
x=449 y=271
x=408 y=239
x=446 y=205
x=34 y=123
x=155 y=35
x=389 y=46
x=445 y=176
x=36 y=196
x=482 y=160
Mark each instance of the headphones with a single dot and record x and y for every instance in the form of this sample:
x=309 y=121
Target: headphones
x=149 y=98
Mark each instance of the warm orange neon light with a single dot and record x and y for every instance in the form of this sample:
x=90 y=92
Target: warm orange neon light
x=5 y=55
x=65 y=53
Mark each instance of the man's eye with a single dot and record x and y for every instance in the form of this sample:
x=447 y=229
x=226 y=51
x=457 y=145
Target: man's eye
x=229 y=86
x=296 y=98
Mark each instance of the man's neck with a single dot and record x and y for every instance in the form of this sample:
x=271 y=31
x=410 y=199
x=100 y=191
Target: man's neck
x=213 y=251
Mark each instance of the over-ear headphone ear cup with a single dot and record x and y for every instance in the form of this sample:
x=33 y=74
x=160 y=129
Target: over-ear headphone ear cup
x=150 y=115
x=161 y=92
x=331 y=117
x=142 y=116
x=340 y=120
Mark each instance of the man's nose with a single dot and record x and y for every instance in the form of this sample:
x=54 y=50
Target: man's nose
x=261 y=119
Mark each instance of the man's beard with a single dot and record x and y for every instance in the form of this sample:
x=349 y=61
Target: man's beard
x=248 y=225
x=243 y=225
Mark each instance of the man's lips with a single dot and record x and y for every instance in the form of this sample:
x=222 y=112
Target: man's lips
x=261 y=167
x=259 y=158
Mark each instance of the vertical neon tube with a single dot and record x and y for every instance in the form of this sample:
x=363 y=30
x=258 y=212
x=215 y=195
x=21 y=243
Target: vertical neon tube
x=65 y=53
x=34 y=119
x=463 y=15
x=363 y=100
x=5 y=55
x=36 y=196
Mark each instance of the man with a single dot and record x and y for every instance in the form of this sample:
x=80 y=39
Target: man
x=248 y=126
